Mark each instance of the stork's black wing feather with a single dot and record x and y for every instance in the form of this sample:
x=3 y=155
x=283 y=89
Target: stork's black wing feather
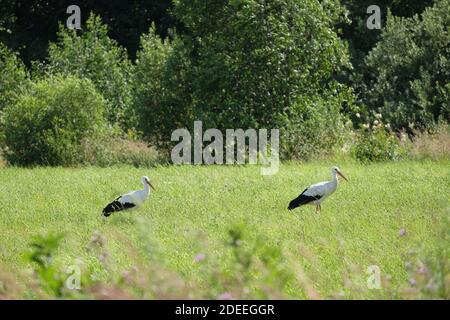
x=116 y=206
x=302 y=199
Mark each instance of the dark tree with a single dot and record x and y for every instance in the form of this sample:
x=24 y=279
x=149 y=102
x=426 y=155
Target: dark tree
x=28 y=26
x=361 y=39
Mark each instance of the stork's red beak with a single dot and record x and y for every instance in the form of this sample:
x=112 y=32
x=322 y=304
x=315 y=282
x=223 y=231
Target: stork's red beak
x=151 y=186
x=342 y=175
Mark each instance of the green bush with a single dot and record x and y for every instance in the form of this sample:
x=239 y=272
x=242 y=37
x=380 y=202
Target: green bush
x=410 y=69
x=376 y=143
x=317 y=127
x=12 y=76
x=48 y=123
x=93 y=55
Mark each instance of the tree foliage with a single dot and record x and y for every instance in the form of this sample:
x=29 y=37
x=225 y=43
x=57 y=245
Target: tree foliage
x=286 y=64
x=28 y=26
x=13 y=75
x=242 y=64
x=362 y=39
x=254 y=58
x=409 y=69
x=95 y=56
x=161 y=96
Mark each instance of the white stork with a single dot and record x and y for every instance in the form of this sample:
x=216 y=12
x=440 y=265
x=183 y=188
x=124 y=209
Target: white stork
x=130 y=200
x=317 y=193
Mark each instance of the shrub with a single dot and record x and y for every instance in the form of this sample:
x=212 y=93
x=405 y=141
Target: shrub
x=109 y=151
x=410 y=69
x=13 y=75
x=93 y=55
x=316 y=127
x=376 y=143
x=49 y=121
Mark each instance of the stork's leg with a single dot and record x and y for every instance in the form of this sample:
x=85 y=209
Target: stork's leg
x=317 y=208
x=320 y=207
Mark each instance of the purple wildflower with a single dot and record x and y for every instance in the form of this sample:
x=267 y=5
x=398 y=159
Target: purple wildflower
x=199 y=258
x=225 y=296
x=422 y=269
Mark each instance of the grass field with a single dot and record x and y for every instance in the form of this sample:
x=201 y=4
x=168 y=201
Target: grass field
x=390 y=215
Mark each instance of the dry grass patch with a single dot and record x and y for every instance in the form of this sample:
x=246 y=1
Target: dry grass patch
x=435 y=146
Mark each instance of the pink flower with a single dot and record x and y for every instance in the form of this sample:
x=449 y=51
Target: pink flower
x=199 y=258
x=402 y=232
x=422 y=270
x=412 y=282
x=225 y=296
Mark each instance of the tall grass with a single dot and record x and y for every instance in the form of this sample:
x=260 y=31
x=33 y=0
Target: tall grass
x=435 y=145
x=2 y=162
x=224 y=232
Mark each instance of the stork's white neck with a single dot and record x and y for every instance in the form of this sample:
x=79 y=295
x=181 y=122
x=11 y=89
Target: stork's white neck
x=334 y=174
x=146 y=187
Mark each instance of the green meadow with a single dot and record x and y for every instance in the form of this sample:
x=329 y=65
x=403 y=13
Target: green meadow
x=204 y=226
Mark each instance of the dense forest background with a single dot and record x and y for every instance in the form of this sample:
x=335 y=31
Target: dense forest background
x=311 y=68
x=29 y=26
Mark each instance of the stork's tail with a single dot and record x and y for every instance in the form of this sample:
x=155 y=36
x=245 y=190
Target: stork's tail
x=301 y=200
x=112 y=207
x=295 y=203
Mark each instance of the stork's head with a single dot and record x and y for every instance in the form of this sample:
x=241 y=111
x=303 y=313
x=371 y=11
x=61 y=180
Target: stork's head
x=146 y=181
x=336 y=170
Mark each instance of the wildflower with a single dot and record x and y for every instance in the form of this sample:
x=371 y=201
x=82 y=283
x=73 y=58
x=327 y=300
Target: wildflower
x=366 y=126
x=225 y=296
x=422 y=269
x=378 y=116
x=199 y=258
x=402 y=232
x=412 y=282
x=358 y=115
x=376 y=122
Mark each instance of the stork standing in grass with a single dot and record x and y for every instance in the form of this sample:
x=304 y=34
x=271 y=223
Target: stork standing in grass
x=130 y=200
x=317 y=193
